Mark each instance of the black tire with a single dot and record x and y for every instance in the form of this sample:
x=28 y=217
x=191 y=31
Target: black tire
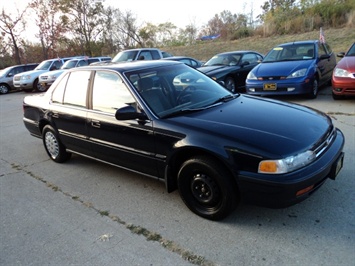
x=4 y=88
x=54 y=148
x=38 y=87
x=207 y=188
x=230 y=84
x=315 y=87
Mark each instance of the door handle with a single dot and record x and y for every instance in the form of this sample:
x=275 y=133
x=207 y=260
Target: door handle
x=95 y=124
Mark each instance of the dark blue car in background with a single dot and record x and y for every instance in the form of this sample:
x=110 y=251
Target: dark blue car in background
x=293 y=68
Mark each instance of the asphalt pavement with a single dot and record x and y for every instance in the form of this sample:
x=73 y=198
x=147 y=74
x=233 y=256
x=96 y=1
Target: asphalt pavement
x=87 y=213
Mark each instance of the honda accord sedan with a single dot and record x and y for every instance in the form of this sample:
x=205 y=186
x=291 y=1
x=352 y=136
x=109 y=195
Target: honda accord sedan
x=169 y=121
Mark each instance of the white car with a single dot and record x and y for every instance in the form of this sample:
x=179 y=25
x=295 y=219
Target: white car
x=46 y=79
x=28 y=81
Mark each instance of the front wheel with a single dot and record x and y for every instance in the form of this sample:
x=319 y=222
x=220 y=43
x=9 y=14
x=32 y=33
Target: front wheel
x=230 y=84
x=53 y=145
x=38 y=86
x=313 y=94
x=207 y=188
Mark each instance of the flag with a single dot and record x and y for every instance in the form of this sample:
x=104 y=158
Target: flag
x=321 y=35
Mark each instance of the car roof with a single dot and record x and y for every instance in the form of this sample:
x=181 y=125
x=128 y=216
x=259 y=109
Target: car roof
x=132 y=65
x=238 y=52
x=299 y=42
x=178 y=57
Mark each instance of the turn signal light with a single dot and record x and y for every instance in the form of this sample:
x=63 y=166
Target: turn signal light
x=304 y=191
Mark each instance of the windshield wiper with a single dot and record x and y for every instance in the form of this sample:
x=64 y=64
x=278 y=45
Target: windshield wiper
x=226 y=98
x=184 y=111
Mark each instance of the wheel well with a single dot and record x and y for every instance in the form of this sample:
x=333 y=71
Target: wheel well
x=42 y=124
x=4 y=84
x=179 y=158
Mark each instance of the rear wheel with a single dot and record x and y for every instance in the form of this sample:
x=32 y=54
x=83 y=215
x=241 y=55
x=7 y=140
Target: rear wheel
x=207 y=188
x=53 y=145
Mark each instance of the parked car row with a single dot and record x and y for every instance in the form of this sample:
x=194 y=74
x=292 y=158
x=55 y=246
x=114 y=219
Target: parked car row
x=28 y=81
x=46 y=79
x=291 y=68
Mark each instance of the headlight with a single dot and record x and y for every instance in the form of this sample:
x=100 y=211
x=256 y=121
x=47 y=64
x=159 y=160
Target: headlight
x=286 y=165
x=26 y=77
x=339 y=72
x=52 y=77
x=251 y=75
x=299 y=73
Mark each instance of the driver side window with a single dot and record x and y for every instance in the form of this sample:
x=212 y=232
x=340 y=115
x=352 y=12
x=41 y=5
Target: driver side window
x=110 y=93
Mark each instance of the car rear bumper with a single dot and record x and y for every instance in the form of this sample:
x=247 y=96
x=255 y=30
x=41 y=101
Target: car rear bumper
x=288 y=189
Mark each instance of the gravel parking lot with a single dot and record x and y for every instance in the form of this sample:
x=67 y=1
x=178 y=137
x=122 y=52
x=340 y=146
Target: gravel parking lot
x=87 y=213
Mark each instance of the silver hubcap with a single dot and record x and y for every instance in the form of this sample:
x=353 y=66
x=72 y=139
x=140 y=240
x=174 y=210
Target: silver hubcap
x=52 y=145
x=3 y=89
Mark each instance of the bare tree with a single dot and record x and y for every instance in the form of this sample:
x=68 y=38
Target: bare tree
x=11 y=30
x=51 y=23
x=86 y=21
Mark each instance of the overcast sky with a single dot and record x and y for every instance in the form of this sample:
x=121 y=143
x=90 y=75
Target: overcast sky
x=179 y=12
x=184 y=12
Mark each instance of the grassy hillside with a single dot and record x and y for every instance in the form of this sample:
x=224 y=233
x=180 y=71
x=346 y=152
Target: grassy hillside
x=339 y=39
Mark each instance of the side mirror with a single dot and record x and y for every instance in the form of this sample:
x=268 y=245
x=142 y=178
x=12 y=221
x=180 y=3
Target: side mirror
x=341 y=54
x=324 y=56
x=128 y=113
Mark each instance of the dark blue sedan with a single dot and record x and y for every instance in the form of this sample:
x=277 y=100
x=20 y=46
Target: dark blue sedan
x=167 y=120
x=293 y=68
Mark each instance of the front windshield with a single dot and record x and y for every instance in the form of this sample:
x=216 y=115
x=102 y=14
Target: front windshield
x=290 y=52
x=69 y=64
x=223 y=59
x=44 y=65
x=3 y=72
x=125 y=56
x=351 y=51
x=177 y=89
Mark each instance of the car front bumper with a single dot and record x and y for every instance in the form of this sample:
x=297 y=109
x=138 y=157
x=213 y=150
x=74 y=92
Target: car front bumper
x=279 y=87
x=280 y=191
x=343 y=86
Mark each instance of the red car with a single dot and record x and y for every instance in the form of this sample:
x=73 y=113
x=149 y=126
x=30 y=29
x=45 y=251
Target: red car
x=343 y=79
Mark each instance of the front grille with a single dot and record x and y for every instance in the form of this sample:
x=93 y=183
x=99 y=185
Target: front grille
x=44 y=77
x=271 y=78
x=323 y=145
x=17 y=78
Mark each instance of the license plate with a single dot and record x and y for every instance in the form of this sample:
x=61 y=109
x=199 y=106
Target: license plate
x=270 y=86
x=337 y=167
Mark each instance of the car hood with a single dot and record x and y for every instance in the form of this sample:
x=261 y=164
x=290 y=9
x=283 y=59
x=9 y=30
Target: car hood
x=348 y=63
x=34 y=72
x=283 y=68
x=255 y=125
x=215 y=69
x=54 y=72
